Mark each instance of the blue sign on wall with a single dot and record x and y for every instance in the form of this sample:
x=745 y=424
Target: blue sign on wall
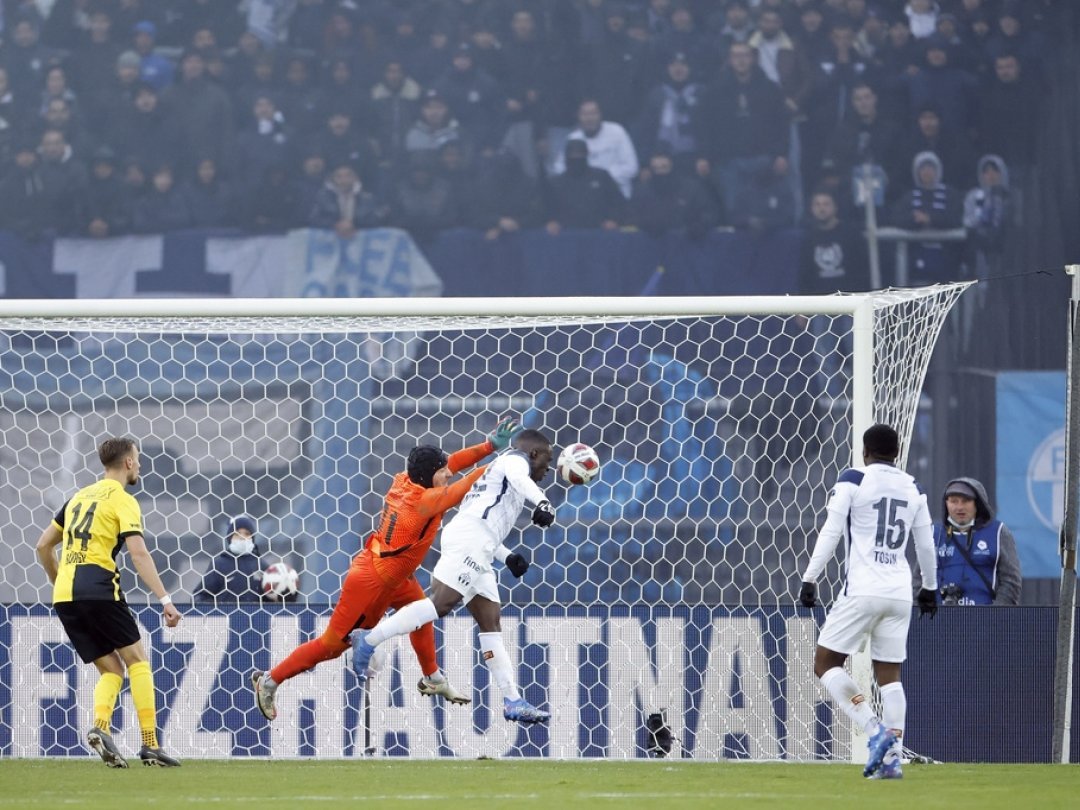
x=1031 y=465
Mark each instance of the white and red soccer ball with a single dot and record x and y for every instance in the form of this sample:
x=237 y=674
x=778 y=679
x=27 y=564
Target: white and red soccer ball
x=280 y=581
x=578 y=464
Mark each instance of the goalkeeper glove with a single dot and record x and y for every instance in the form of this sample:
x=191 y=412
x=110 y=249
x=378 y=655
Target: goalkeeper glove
x=544 y=514
x=504 y=433
x=808 y=594
x=517 y=564
x=927 y=600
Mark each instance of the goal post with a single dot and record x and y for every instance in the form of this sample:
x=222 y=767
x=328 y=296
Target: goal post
x=667 y=585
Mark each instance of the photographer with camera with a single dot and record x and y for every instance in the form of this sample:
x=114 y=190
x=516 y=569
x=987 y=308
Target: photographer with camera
x=977 y=563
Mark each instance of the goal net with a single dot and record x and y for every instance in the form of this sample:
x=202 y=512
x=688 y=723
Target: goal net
x=664 y=588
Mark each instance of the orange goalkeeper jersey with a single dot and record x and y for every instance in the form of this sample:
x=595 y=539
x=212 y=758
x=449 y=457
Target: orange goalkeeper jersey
x=412 y=515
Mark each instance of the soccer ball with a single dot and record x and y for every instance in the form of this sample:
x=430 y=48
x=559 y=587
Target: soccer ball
x=279 y=581
x=578 y=464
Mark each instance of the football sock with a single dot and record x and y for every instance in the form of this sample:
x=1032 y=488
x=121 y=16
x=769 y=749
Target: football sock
x=497 y=660
x=106 y=690
x=846 y=693
x=423 y=642
x=893 y=706
x=142 y=695
x=307 y=656
x=411 y=617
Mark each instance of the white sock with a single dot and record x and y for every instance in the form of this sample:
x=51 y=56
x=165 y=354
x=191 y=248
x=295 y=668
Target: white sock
x=893 y=707
x=497 y=660
x=269 y=682
x=848 y=697
x=411 y=617
x=435 y=677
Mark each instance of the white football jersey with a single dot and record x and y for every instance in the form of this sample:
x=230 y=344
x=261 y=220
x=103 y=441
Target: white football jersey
x=876 y=509
x=497 y=498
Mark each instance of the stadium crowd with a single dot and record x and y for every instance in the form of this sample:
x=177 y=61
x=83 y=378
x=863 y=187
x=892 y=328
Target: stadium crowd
x=147 y=116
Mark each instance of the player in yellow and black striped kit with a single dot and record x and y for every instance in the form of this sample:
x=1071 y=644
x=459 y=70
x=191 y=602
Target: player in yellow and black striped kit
x=92 y=528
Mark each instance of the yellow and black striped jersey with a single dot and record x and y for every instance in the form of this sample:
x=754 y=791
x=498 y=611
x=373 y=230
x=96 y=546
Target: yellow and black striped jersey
x=95 y=522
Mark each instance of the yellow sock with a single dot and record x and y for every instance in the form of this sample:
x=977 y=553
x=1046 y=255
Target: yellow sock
x=105 y=693
x=145 y=700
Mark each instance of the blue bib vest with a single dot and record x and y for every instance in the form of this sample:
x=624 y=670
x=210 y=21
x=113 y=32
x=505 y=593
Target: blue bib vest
x=954 y=569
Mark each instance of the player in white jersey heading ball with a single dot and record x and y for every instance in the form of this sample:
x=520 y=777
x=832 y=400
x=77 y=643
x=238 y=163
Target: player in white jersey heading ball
x=875 y=508
x=469 y=544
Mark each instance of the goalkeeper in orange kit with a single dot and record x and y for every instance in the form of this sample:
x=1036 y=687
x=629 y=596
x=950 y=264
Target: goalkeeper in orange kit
x=381 y=576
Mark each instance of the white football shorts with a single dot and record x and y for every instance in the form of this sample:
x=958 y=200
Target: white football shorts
x=465 y=560
x=853 y=619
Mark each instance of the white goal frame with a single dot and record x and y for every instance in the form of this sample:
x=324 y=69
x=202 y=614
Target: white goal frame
x=318 y=315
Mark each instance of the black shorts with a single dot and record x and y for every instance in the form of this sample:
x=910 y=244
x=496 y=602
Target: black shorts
x=97 y=628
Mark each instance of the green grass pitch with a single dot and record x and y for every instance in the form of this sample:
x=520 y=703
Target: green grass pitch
x=448 y=785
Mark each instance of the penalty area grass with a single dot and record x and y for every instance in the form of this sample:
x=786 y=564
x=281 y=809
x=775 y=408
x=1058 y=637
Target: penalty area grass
x=514 y=783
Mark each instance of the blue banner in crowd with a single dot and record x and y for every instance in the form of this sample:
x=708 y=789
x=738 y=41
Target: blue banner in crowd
x=387 y=262
x=1031 y=465
x=303 y=263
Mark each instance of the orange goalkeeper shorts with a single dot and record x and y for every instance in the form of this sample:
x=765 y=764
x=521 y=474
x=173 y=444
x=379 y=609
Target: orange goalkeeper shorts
x=365 y=598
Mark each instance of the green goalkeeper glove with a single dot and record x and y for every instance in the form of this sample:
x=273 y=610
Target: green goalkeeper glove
x=504 y=433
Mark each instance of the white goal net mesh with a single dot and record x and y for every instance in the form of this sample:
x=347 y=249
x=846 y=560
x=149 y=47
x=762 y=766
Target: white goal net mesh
x=665 y=585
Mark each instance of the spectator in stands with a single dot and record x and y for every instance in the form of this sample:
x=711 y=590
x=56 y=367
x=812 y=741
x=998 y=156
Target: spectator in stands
x=236 y=573
x=108 y=209
x=25 y=203
x=423 y=201
x=110 y=101
x=154 y=69
x=93 y=62
x=200 y=112
x=56 y=87
x=296 y=98
x=59 y=115
x=744 y=128
x=922 y=17
x=273 y=205
x=434 y=127
x=262 y=82
x=344 y=205
x=186 y=19
x=1008 y=105
x=67 y=25
x=395 y=106
x=65 y=180
x=610 y=147
x=977 y=563
x=737 y=28
x=617 y=72
x=135 y=183
x=341 y=142
x=811 y=34
x=141 y=132
x=683 y=36
x=241 y=61
x=901 y=57
x=11 y=119
x=834 y=77
x=127 y=13
x=307 y=25
x=433 y=60
x=872 y=37
x=210 y=200
x=864 y=138
x=780 y=60
x=930 y=205
x=500 y=199
x=950 y=90
x=666 y=200
x=668 y=114
x=26 y=59
x=961 y=55
x=163 y=207
x=340 y=90
x=952 y=148
x=263 y=144
x=474 y=97
x=988 y=210
x=583 y=196
x=833 y=256
x=310 y=182
x=1010 y=36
